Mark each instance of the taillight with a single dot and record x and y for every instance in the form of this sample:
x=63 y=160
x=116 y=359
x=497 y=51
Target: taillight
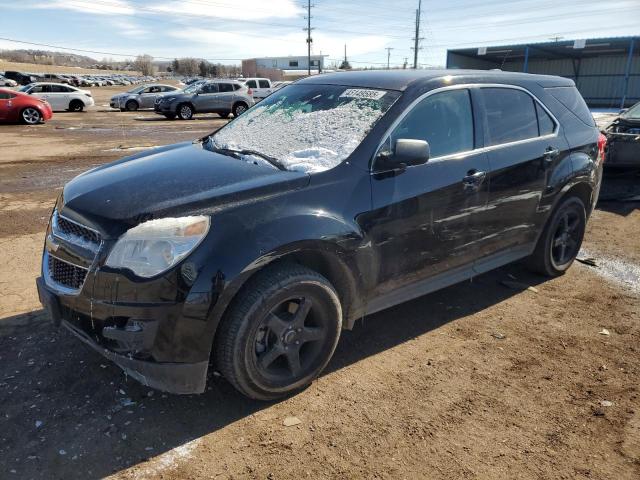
x=249 y=92
x=602 y=143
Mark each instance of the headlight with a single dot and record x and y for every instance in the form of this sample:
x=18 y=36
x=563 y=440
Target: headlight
x=157 y=245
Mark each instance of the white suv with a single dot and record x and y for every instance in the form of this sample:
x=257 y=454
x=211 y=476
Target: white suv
x=259 y=87
x=60 y=97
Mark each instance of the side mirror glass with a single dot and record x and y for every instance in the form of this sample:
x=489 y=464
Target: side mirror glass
x=405 y=152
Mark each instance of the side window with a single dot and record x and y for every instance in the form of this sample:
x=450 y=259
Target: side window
x=58 y=89
x=4 y=96
x=546 y=125
x=510 y=114
x=293 y=63
x=225 y=87
x=209 y=88
x=251 y=84
x=570 y=97
x=237 y=86
x=263 y=84
x=445 y=120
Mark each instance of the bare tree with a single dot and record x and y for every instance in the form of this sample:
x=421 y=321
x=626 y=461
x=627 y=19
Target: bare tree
x=144 y=64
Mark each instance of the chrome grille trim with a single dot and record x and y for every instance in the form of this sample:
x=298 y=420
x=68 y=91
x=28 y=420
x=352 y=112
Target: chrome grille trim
x=63 y=276
x=75 y=233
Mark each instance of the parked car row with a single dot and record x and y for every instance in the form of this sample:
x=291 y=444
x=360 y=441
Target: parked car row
x=83 y=80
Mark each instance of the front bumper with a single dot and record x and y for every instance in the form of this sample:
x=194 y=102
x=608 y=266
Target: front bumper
x=163 y=108
x=139 y=336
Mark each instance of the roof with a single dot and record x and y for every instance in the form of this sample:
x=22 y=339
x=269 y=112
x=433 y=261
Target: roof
x=285 y=56
x=401 y=79
x=593 y=47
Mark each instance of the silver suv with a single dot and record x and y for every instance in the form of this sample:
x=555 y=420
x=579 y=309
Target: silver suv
x=142 y=96
x=210 y=96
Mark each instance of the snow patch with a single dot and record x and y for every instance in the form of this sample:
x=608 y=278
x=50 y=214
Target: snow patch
x=167 y=460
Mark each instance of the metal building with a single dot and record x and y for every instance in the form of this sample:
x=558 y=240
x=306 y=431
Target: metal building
x=605 y=70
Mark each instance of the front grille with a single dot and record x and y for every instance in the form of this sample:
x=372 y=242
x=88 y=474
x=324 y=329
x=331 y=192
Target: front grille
x=66 y=274
x=74 y=230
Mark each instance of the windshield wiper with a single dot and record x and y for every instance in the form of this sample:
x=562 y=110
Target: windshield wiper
x=273 y=161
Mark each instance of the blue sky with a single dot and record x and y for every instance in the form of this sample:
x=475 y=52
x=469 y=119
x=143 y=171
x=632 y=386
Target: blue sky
x=228 y=30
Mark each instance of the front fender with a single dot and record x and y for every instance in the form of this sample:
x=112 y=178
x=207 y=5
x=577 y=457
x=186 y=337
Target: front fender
x=238 y=251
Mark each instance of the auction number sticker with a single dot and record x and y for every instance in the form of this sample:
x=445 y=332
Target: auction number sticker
x=363 y=93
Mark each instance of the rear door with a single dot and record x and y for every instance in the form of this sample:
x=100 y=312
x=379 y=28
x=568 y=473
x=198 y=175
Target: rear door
x=427 y=220
x=59 y=97
x=523 y=146
x=225 y=97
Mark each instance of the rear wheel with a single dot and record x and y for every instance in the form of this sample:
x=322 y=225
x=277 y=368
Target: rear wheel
x=185 y=112
x=30 y=116
x=279 y=333
x=561 y=239
x=131 y=106
x=76 y=106
x=239 y=108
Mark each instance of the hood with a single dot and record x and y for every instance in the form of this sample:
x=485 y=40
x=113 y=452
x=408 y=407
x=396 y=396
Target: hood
x=175 y=180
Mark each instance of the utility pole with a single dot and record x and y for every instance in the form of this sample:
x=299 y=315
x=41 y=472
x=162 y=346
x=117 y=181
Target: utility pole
x=388 y=49
x=309 y=39
x=416 y=40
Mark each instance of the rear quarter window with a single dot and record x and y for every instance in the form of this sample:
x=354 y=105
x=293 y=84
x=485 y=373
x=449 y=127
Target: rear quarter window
x=570 y=97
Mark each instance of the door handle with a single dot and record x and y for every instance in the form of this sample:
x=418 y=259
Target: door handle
x=550 y=153
x=473 y=180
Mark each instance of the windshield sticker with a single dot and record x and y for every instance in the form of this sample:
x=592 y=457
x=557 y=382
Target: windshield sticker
x=363 y=93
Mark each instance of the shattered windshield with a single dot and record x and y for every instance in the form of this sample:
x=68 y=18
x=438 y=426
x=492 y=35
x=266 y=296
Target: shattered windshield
x=309 y=128
x=633 y=113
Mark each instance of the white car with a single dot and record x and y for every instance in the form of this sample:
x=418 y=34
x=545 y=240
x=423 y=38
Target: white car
x=60 y=97
x=6 y=82
x=259 y=87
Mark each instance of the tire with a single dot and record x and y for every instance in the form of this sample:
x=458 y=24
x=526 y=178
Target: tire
x=560 y=242
x=239 y=108
x=185 y=112
x=30 y=116
x=224 y=115
x=131 y=106
x=279 y=333
x=76 y=106
x=170 y=116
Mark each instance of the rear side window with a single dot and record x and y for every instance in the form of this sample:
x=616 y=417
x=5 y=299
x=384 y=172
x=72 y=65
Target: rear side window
x=4 y=96
x=237 y=86
x=59 y=89
x=445 y=120
x=263 y=83
x=546 y=125
x=225 y=87
x=570 y=97
x=511 y=115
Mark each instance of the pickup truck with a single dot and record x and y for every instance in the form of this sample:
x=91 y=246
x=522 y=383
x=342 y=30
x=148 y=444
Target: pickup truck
x=259 y=87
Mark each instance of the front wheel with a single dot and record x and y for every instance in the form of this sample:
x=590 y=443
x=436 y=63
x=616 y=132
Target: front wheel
x=185 y=112
x=279 y=333
x=76 y=106
x=131 y=106
x=561 y=239
x=31 y=116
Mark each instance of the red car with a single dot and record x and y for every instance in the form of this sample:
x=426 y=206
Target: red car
x=20 y=107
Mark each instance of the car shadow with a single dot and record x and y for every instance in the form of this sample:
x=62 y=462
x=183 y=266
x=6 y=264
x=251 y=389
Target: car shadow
x=69 y=413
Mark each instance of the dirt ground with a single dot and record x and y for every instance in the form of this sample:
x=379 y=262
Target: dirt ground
x=476 y=381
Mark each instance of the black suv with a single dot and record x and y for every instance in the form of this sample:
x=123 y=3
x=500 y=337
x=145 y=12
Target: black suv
x=337 y=196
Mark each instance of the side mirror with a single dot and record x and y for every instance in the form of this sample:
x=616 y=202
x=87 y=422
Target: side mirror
x=623 y=110
x=406 y=152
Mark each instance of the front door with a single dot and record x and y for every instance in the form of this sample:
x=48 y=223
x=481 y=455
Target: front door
x=206 y=100
x=523 y=146
x=5 y=105
x=427 y=220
